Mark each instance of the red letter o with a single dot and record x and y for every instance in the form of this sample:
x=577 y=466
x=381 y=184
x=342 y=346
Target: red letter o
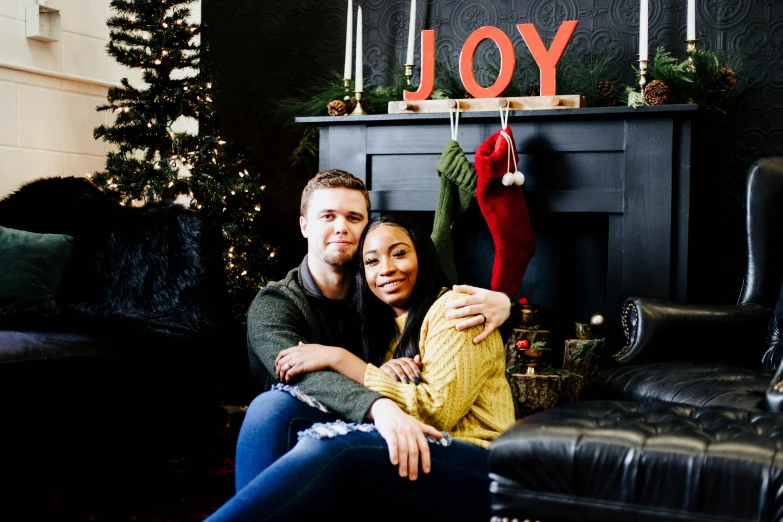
x=507 y=62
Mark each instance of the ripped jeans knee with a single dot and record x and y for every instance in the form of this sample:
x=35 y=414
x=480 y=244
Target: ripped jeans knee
x=302 y=396
x=330 y=430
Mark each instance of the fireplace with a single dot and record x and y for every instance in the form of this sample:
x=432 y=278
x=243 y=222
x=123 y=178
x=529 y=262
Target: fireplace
x=608 y=191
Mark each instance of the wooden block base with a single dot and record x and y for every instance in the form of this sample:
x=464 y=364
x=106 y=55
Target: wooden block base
x=534 y=393
x=518 y=103
x=583 y=356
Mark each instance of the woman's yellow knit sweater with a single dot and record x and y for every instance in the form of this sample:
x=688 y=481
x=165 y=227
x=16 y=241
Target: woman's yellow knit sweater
x=464 y=390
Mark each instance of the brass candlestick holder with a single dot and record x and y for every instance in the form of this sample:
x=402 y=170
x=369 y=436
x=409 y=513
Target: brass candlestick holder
x=358 y=110
x=533 y=356
x=642 y=74
x=408 y=71
x=347 y=87
x=530 y=314
x=690 y=48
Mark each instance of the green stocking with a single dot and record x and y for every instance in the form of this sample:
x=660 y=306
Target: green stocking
x=457 y=194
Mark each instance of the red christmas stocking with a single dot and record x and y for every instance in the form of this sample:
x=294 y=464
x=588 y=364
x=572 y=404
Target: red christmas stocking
x=502 y=202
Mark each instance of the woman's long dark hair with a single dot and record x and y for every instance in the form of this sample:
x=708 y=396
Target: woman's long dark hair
x=377 y=318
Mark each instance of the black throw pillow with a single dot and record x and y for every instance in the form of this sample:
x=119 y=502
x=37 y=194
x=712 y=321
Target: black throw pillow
x=31 y=268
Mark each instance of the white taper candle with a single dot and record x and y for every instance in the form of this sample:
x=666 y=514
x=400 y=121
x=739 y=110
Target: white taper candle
x=348 y=42
x=643 y=23
x=691 y=30
x=411 y=34
x=359 y=61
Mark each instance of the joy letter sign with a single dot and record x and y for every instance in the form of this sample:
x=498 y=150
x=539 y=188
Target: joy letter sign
x=546 y=60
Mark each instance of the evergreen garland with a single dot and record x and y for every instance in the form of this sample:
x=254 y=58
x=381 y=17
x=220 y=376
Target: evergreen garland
x=447 y=78
x=692 y=81
x=714 y=81
x=587 y=345
x=154 y=161
x=677 y=76
x=492 y=66
x=313 y=101
x=575 y=76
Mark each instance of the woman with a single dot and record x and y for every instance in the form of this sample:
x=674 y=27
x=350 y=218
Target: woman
x=460 y=389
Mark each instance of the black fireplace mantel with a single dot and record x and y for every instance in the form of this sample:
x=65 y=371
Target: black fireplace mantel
x=630 y=164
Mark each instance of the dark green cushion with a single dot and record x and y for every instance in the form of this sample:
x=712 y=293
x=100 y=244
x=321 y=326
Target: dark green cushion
x=31 y=268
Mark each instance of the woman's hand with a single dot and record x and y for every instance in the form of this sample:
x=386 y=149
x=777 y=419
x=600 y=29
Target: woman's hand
x=487 y=307
x=304 y=358
x=404 y=369
x=405 y=437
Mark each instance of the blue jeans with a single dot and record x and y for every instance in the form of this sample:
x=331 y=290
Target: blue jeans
x=349 y=476
x=270 y=430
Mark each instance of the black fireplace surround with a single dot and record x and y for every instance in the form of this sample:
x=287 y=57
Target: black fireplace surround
x=688 y=426
x=608 y=191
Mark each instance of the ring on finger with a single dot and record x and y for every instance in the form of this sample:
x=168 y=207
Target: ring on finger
x=484 y=318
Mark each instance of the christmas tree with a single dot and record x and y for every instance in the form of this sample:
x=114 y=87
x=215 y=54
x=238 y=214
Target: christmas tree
x=154 y=161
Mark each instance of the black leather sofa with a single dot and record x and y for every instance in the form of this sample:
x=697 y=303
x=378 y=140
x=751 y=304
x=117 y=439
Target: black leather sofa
x=712 y=355
x=687 y=426
x=123 y=373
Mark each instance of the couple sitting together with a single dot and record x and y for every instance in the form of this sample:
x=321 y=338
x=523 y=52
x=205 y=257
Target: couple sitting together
x=390 y=387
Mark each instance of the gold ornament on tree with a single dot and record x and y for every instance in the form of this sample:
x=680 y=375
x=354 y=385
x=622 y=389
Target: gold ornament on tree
x=336 y=108
x=656 y=92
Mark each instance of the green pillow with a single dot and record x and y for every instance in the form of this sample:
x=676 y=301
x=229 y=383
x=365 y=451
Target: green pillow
x=31 y=268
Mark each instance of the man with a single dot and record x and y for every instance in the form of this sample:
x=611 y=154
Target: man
x=314 y=305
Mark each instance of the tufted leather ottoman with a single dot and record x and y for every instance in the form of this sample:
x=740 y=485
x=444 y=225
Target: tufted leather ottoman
x=612 y=460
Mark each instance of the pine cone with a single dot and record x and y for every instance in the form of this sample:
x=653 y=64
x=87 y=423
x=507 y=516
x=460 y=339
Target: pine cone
x=533 y=90
x=656 y=92
x=722 y=85
x=336 y=108
x=351 y=105
x=607 y=94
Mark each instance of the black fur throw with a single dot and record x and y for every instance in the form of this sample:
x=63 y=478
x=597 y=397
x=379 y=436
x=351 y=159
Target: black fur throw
x=71 y=205
x=156 y=269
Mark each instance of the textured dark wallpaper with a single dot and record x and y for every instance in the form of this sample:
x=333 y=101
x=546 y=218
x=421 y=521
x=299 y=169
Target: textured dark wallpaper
x=267 y=50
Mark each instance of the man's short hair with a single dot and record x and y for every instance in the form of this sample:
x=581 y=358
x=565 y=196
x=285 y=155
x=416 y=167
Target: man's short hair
x=333 y=178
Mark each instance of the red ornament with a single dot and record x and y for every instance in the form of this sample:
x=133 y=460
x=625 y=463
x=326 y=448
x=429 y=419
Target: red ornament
x=523 y=300
x=522 y=344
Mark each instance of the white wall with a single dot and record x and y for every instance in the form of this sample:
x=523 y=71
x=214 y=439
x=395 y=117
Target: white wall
x=49 y=91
